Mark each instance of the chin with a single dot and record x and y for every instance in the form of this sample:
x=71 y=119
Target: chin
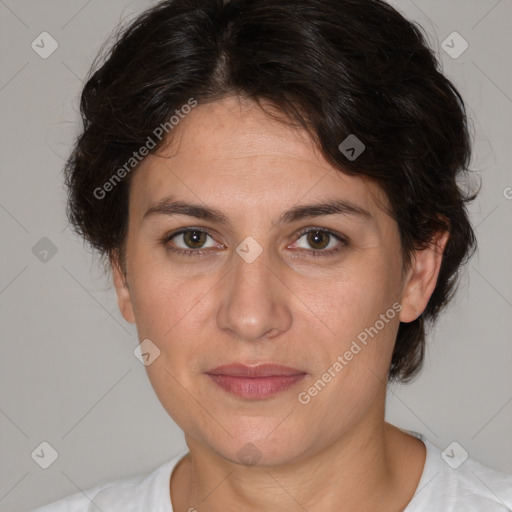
x=257 y=441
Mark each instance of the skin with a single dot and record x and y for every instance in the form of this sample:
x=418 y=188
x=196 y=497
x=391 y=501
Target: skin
x=286 y=307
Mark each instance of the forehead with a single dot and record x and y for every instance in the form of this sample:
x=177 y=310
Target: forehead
x=231 y=153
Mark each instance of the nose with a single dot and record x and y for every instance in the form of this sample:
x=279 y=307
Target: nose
x=254 y=301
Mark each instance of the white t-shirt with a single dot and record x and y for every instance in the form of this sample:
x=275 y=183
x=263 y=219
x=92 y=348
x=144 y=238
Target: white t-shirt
x=443 y=487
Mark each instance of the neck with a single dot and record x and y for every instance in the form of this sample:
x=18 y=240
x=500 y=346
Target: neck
x=374 y=466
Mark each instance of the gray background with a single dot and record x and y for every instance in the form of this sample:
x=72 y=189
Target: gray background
x=68 y=373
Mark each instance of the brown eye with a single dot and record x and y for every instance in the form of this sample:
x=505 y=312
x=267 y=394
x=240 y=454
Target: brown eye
x=194 y=239
x=318 y=239
x=190 y=241
x=320 y=242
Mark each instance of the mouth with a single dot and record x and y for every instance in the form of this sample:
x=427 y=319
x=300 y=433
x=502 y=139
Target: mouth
x=255 y=382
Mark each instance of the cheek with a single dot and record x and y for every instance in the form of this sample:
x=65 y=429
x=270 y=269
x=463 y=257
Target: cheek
x=175 y=312
x=355 y=297
x=164 y=298
x=169 y=311
x=361 y=309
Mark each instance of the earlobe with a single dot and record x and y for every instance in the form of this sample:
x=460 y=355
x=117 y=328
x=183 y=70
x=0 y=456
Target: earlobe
x=124 y=299
x=422 y=277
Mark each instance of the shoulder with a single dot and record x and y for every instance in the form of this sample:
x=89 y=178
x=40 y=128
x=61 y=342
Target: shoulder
x=453 y=482
x=142 y=492
x=482 y=488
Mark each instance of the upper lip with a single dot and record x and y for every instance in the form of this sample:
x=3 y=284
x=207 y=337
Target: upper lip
x=261 y=370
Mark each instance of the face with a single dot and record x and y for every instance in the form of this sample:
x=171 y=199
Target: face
x=227 y=265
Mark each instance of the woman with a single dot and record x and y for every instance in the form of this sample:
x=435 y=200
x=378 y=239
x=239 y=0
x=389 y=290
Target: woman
x=274 y=184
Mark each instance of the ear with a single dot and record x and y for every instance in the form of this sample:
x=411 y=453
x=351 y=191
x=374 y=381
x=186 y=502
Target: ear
x=124 y=299
x=422 y=277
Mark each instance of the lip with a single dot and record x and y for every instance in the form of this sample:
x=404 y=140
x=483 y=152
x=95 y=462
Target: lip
x=255 y=382
x=260 y=370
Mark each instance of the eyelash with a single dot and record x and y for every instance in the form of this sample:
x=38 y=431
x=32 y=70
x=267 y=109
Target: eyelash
x=343 y=241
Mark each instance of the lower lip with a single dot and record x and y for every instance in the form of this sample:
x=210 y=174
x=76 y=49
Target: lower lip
x=256 y=387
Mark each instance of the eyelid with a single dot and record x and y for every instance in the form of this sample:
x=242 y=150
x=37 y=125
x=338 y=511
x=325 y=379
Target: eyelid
x=339 y=236
x=169 y=236
x=343 y=240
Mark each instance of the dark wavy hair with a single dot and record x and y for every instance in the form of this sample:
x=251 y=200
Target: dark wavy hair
x=333 y=67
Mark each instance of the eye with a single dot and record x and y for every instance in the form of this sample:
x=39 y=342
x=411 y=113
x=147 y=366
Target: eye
x=189 y=241
x=192 y=242
x=321 y=241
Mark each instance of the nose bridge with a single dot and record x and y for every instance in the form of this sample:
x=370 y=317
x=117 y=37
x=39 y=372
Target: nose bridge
x=254 y=301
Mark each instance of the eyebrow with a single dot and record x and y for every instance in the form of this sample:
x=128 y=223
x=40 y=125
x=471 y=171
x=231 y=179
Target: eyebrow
x=170 y=206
